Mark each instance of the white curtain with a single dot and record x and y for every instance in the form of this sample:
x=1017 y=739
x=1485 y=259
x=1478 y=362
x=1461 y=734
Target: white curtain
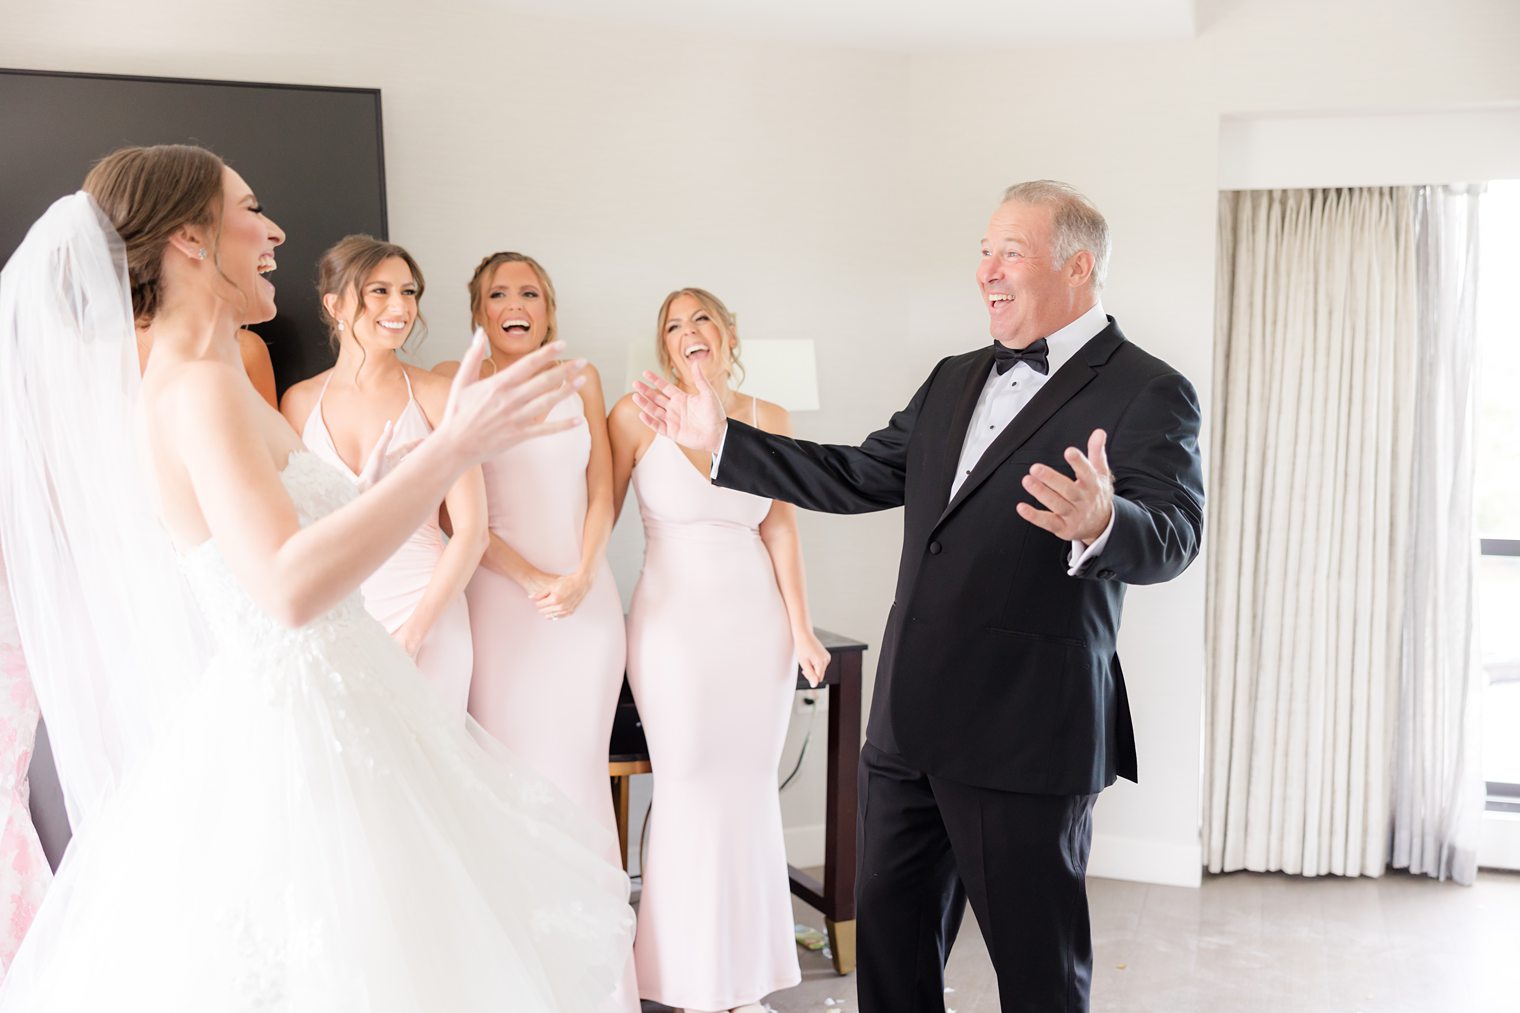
x=1315 y=380
x=1438 y=796
x=1339 y=690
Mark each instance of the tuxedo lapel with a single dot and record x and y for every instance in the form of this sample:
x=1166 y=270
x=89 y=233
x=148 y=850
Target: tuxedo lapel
x=971 y=383
x=1061 y=388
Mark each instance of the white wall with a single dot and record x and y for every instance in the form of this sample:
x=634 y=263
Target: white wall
x=834 y=195
x=1387 y=149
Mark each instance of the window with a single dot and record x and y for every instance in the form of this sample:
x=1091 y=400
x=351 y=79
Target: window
x=1498 y=491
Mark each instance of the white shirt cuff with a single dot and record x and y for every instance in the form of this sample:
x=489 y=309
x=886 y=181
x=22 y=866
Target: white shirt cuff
x=1081 y=553
x=712 y=476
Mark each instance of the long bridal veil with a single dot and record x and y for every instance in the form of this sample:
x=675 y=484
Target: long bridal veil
x=112 y=634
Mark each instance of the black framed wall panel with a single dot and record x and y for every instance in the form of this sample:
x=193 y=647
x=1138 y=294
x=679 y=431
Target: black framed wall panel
x=314 y=155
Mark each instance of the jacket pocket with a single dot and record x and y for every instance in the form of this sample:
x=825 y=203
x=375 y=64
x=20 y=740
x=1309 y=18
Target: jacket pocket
x=1039 y=638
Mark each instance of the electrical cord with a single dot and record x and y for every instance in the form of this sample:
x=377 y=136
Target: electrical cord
x=811 y=700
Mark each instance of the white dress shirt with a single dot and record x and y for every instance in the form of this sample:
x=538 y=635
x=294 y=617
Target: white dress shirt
x=1003 y=396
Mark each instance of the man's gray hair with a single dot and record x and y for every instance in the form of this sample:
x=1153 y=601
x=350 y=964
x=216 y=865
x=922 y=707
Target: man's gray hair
x=1078 y=223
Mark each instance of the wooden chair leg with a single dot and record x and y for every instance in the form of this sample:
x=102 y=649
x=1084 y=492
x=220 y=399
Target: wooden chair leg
x=620 y=792
x=842 y=942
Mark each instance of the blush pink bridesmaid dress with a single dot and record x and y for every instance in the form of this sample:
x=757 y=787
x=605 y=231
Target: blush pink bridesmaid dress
x=24 y=872
x=391 y=594
x=711 y=663
x=548 y=689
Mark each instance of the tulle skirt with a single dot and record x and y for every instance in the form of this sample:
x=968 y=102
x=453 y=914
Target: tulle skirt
x=314 y=833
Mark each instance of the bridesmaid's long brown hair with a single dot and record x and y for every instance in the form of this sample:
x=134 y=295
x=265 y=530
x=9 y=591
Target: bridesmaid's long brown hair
x=346 y=264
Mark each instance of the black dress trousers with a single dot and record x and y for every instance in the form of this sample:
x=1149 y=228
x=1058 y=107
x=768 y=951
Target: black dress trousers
x=928 y=845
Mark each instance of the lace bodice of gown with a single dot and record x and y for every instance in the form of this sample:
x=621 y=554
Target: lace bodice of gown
x=237 y=623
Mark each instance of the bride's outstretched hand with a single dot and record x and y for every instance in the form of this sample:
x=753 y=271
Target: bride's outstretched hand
x=488 y=416
x=695 y=420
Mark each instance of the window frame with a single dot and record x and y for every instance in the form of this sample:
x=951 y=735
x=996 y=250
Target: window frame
x=1502 y=796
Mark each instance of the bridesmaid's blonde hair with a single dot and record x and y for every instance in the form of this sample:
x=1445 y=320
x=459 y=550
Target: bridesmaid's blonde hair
x=727 y=324
x=488 y=267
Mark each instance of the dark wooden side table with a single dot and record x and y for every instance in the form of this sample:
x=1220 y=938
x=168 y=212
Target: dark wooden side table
x=834 y=898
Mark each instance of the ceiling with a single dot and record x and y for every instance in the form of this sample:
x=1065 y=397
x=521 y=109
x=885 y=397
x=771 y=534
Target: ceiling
x=895 y=25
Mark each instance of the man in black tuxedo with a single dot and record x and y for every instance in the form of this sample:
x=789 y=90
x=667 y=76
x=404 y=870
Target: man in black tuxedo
x=1000 y=710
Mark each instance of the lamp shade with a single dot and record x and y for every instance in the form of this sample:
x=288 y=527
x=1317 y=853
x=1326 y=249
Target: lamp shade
x=780 y=370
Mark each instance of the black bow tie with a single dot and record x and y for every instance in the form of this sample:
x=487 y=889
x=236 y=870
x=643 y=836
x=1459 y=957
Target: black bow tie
x=1036 y=355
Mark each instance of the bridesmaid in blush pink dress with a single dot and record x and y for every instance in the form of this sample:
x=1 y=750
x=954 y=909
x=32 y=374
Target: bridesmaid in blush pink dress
x=24 y=872
x=547 y=619
x=718 y=626
x=370 y=291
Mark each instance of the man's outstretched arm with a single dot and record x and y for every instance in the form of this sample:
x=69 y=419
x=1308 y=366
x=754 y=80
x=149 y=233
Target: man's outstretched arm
x=815 y=476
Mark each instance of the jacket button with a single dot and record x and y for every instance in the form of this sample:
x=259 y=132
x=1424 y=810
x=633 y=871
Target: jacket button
x=934 y=548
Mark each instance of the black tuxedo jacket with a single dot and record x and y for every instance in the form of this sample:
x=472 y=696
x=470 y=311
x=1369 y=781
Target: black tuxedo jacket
x=998 y=669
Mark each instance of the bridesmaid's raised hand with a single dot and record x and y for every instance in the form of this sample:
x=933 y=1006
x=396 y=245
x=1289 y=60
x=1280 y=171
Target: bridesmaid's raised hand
x=383 y=458
x=485 y=417
x=377 y=464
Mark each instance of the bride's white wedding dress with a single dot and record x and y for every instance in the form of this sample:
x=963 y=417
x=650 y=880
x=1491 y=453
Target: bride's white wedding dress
x=313 y=833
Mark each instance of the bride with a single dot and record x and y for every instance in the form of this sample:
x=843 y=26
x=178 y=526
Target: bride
x=271 y=811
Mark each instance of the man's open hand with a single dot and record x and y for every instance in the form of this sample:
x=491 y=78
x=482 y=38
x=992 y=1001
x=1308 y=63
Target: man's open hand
x=1075 y=509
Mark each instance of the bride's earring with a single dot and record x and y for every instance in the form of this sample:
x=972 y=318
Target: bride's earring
x=342 y=326
x=201 y=254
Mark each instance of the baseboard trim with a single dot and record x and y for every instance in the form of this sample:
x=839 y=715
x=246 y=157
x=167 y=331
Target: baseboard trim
x=1142 y=861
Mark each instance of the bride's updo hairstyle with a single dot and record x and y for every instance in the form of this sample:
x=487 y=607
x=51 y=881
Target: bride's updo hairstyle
x=344 y=268
x=148 y=194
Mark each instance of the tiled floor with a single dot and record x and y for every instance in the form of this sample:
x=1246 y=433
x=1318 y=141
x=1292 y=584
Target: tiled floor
x=1247 y=943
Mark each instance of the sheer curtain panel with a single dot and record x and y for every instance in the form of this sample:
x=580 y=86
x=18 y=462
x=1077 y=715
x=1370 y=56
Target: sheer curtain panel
x=1313 y=454
x=1342 y=678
